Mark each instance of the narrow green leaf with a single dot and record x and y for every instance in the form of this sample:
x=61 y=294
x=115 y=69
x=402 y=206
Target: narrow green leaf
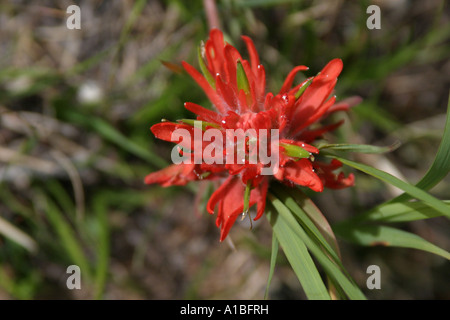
x=372 y=235
x=361 y=148
x=132 y=17
x=89 y=62
x=67 y=237
x=103 y=249
x=312 y=219
x=291 y=203
x=295 y=151
x=248 y=188
x=319 y=242
x=401 y=212
x=241 y=77
x=319 y=220
x=408 y=188
x=315 y=215
x=273 y=259
x=296 y=231
x=111 y=134
x=441 y=164
x=298 y=256
x=208 y=76
x=204 y=124
x=64 y=200
x=302 y=89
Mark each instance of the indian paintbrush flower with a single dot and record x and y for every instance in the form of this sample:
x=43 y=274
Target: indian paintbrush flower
x=237 y=90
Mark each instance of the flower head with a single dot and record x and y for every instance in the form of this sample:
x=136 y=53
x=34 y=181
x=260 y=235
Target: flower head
x=245 y=115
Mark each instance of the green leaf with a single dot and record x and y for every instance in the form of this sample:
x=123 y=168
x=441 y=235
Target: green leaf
x=408 y=188
x=195 y=123
x=441 y=165
x=132 y=17
x=273 y=259
x=316 y=224
x=67 y=237
x=317 y=217
x=296 y=203
x=241 y=77
x=372 y=235
x=248 y=188
x=103 y=248
x=90 y=62
x=204 y=68
x=104 y=129
x=293 y=231
x=361 y=148
x=401 y=212
x=295 y=151
x=298 y=257
x=302 y=89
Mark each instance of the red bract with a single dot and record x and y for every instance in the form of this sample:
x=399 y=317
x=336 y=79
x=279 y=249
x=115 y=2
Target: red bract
x=236 y=88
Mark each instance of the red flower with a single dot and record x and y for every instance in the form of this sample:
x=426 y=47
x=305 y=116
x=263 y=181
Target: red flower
x=236 y=88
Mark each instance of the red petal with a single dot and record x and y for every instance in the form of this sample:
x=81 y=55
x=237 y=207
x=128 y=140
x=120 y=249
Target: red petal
x=210 y=92
x=228 y=94
x=316 y=94
x=205 y=114
x=290 y=78
x=250 y=173
x=212 y=168
x=254 y=58
x=330 y=179
x=260 y=86
x=250 y=105
x=344 y=104
x=301 y=172
x=301 y=144
x=311 y=135
x=230 y=200
x=243 y=102
x=165 y=130
x=311 y=117
x=230 y=197
x=176 y=174
x=217 y=196
x=258 y=195
x=230 y=64
x=214 y=51
x=332 y=69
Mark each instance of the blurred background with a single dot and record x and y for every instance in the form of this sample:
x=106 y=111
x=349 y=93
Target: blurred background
x=75 y=111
